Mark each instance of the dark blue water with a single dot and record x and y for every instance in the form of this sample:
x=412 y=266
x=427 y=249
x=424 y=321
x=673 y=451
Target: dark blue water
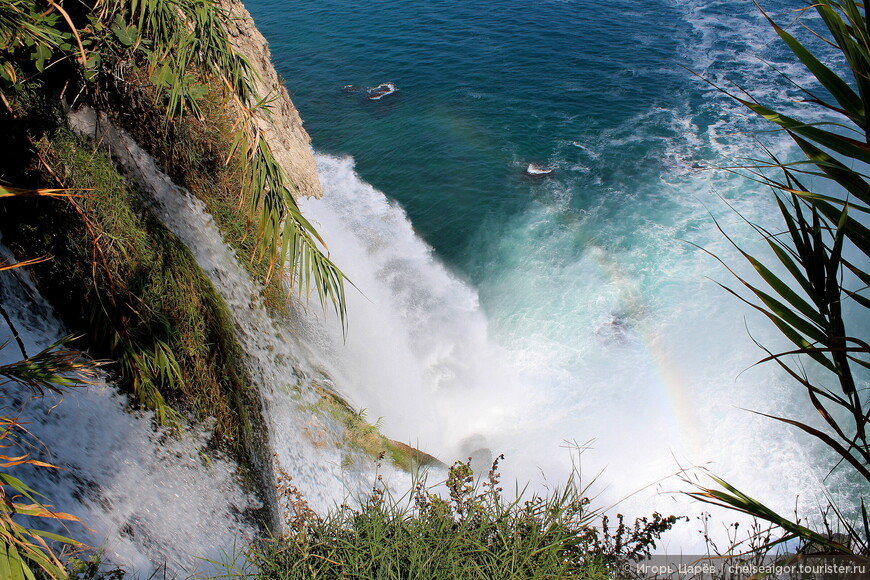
x=484 y=89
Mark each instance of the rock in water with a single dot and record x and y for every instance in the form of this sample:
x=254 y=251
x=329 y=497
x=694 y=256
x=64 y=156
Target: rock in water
x=535 y=170
x=381 y=91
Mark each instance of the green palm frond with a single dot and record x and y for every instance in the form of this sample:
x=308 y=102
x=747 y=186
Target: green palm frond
x=824 y=252
x=284 y=235
x=733 y=498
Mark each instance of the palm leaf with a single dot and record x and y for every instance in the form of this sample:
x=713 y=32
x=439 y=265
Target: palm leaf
x=820 y=231
x=849 y=101
x=733 y=498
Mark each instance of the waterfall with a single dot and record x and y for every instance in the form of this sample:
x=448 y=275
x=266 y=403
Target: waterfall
x=630 y=383
x=306 y=443
x=152 y=502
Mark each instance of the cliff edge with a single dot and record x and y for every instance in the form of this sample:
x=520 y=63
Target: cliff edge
x=287 y=138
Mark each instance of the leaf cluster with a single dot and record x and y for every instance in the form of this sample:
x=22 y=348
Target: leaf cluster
x=26 y=551
x=29 y=38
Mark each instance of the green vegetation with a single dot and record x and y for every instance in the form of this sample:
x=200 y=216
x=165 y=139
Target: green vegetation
x=360 y=435
x=133 y=287
x=474 y=534
x=25 y=550
x=823 y=255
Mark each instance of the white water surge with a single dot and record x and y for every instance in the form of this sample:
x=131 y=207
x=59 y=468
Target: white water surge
x=633 y=349
x=153 y=503
x=593 y=319
x=306 y=443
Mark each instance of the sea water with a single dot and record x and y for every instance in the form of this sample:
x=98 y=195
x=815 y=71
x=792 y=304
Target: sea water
x=496 y=313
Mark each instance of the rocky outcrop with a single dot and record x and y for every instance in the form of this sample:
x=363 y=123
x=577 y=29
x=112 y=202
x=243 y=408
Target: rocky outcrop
x=284 y=133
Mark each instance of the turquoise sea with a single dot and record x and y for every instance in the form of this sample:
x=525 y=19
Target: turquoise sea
x=488 y=87
x=498 y=312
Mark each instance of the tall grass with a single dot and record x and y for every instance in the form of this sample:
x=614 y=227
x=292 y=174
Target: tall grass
x=468 y=530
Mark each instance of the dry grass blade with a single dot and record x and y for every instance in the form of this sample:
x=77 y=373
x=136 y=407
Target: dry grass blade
x=82 y=54
x=23 y=549
x=9 y=265
x=6 y=191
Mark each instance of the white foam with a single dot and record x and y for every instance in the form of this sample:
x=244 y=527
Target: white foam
x=537 y=170
x=592 y=154
x=307 y=442
x=381 y=91
x=632 y=347
x=151 y=501
x=418 y=352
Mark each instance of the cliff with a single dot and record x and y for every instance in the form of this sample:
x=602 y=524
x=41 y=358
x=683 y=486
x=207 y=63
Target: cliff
x=120 y=280
x=282 y=127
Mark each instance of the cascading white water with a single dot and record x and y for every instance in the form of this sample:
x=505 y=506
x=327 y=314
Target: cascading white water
x=151 y=502
x=644 y=365
x=418 y=353
x=307 y=444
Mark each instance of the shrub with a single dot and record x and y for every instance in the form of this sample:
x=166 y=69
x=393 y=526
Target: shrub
x=473 y=533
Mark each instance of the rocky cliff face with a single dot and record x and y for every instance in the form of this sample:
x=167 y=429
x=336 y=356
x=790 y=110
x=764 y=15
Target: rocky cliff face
x=284 y=133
